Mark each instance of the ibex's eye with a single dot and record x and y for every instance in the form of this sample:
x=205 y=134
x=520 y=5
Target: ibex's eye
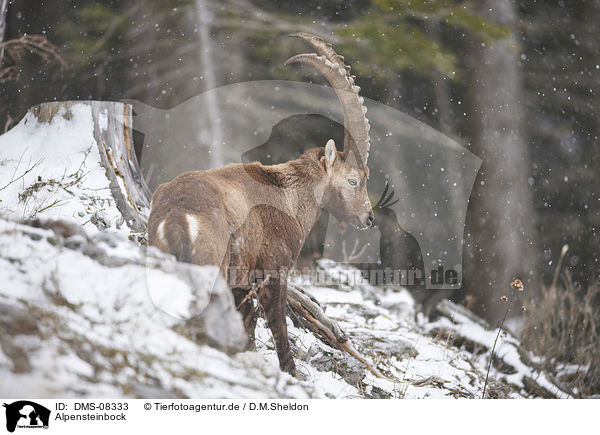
x=352 y=182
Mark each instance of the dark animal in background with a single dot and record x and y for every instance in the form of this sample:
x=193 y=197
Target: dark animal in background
x=252 y=217
x=400 y=250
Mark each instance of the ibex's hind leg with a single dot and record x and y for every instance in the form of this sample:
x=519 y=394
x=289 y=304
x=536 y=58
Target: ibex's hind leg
x=248 y=312
x=274 y=300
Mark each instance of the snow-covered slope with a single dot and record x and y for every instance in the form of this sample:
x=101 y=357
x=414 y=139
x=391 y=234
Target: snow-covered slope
x=52 y=170
x=86 y=310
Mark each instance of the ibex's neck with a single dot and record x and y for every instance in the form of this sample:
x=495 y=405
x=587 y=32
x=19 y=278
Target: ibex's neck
x=302 y=182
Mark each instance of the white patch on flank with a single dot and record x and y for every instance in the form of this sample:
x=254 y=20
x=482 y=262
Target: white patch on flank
x=160 y=231
x=193 y=226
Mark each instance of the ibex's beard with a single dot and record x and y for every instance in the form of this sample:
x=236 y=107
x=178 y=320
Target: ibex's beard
x=360 y=225
x=342 y=224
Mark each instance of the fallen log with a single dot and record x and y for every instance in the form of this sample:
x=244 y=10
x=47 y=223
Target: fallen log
x=310 y=315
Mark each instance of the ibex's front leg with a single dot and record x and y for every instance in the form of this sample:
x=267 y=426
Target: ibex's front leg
x=274 y=300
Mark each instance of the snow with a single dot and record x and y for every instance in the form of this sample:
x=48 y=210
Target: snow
x=102 y=316
x=100 y=328
x=53 y=170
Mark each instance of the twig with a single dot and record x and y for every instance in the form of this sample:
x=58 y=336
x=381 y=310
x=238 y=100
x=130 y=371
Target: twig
x=254 y=290
x=354 y=255
x=516 y=284
x=54 y=203
x=15 y=51
x=494 y=349
x=563 y=252
x=12 y=180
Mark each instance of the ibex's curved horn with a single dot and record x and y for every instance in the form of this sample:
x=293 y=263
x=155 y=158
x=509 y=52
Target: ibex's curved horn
x=337 y=73
x=323 y=48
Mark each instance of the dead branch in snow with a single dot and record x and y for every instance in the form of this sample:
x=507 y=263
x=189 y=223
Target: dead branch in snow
x=325 y=328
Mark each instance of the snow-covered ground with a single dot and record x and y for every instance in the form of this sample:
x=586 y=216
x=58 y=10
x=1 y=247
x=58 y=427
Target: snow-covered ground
x=53 y=170
x=86 y=310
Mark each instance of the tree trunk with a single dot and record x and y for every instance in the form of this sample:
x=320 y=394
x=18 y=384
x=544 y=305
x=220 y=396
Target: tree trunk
x=3 y=9
x=3 y=111
x=501 y=210
x=590 y=26
x=205 y=17
x=440 y=86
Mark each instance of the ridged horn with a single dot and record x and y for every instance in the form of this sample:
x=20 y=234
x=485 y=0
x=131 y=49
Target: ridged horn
x=337 y=73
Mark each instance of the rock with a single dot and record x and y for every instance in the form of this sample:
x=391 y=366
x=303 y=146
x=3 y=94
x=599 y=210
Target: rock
x=101 y=220
x=327 y=359
x=217 y=322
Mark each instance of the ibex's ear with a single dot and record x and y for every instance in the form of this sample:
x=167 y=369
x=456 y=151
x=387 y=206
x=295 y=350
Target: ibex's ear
x=330 y=155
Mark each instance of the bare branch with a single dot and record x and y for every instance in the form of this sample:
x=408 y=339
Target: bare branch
x=16 y=49
x=303 y=306
x=12 y=178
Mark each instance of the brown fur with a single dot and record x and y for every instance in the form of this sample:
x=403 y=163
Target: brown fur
x=255 y=218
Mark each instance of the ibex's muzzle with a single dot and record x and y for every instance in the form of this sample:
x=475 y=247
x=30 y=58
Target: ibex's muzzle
x=365 y=220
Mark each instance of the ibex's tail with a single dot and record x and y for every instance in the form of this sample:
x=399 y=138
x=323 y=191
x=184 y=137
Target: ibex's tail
x=178 y=238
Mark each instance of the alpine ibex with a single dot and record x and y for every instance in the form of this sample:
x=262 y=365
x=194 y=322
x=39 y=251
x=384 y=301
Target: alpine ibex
x=249 y=218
